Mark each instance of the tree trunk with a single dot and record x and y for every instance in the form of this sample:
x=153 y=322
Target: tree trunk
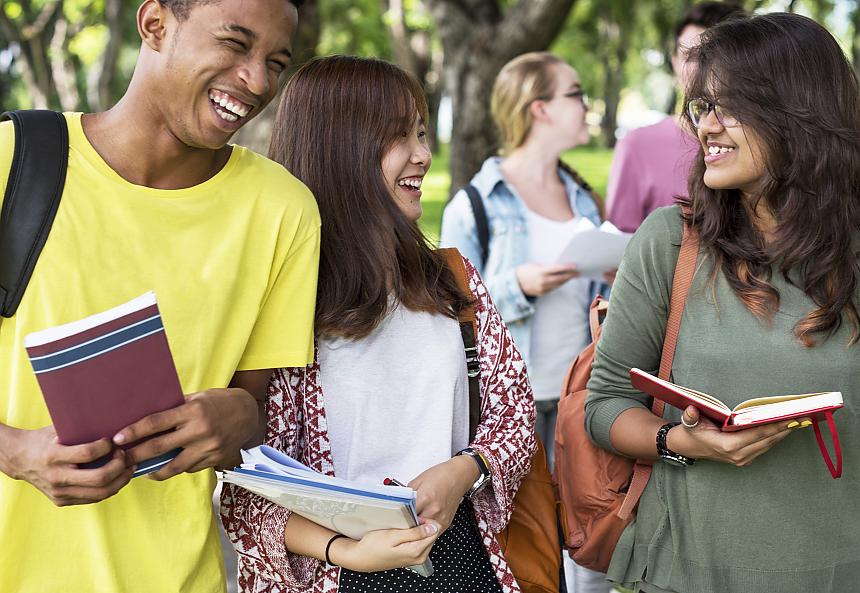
x=62 y=69
x=34 y=38
x=413 y=51
x=615 y=41
x=855 y=39
x=100 y=84
x=256 y=133
x=478 y=39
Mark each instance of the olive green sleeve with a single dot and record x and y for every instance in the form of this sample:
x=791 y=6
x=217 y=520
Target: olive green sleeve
x=636 y=322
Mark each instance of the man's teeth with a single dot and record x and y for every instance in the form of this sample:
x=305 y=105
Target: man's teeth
x=412 y=183
x=230 y=107
x=719 y=150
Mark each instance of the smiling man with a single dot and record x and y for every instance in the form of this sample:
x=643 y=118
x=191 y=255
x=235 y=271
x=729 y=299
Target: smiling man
x=155 y=199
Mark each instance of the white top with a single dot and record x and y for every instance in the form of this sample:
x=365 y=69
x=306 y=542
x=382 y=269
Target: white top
x=396 y=401
x=560 y=321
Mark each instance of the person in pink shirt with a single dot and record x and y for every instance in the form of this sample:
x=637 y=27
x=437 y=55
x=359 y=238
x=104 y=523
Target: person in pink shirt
x=651 y=164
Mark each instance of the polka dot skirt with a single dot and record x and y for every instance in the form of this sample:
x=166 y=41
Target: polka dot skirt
x=460 y=565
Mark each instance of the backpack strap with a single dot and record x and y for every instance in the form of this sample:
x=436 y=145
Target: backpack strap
x=33 y=192
x=685 y=269
x=482 y=225
x=469 y=333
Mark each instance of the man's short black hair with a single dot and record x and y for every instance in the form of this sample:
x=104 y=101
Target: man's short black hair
x=181 y=8
x=708 y=14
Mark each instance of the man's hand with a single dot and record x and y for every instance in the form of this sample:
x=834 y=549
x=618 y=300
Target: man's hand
x=210 y=427
x=37 y=457
x=441 y=488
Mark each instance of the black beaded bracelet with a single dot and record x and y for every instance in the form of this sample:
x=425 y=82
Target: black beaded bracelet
x=328 y=547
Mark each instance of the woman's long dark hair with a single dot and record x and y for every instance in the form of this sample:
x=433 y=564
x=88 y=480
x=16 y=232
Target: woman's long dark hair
x=338 y=117
x=787 y=81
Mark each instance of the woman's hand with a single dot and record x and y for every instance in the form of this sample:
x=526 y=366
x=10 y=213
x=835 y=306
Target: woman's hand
x=385 y=549
x=537 y=279
x=441 y=488
x=700 y=438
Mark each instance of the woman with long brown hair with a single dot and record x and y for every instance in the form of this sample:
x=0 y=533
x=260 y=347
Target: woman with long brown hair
x=387 y=395
x=773 y=309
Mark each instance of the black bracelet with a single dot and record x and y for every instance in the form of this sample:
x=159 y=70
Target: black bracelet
x=328 y=547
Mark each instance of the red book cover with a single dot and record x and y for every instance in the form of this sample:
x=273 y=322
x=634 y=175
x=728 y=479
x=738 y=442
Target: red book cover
x=752 y=412
x=103 y=373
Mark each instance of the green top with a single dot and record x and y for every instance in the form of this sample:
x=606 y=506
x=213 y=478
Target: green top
x=780 y=525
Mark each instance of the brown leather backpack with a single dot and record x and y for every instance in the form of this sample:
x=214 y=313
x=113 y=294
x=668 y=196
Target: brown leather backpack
x=599 y=490
x=530 y=542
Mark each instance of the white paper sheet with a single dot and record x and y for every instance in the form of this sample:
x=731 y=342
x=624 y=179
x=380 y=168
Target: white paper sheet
x=595 y=250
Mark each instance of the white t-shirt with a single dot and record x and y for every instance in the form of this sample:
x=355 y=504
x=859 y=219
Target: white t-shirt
x=396 y=401
x=560 y=321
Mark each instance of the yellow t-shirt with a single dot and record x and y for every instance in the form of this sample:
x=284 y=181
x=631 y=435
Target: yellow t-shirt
x=233 y=263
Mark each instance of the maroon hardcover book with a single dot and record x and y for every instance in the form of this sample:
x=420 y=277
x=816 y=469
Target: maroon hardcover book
x=103 y=373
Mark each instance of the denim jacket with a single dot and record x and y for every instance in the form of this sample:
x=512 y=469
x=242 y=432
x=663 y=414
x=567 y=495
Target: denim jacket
x=509 y=242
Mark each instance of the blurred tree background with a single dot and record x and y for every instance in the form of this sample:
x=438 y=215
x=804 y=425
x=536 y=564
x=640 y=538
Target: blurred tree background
x=79 y=55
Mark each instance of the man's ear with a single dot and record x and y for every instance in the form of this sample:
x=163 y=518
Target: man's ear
x=152 y=20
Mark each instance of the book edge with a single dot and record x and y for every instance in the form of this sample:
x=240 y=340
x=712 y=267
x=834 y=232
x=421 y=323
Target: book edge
x=67 y=330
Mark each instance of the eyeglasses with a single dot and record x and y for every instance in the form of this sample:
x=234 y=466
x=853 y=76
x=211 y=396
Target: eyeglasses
x=577 y=94
x=698 y=109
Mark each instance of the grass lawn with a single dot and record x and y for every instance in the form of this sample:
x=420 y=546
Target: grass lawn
x=592 y=163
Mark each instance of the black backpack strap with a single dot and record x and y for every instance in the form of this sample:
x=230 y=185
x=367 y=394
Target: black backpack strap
x=33 y=191
x=481 y=223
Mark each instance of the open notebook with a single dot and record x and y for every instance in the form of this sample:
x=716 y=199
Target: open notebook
x=344 y=506
x=752 y=412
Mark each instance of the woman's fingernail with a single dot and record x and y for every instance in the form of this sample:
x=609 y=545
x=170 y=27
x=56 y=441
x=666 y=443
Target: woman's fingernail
x=793 y=424
x=806 y=423
x=430 y=528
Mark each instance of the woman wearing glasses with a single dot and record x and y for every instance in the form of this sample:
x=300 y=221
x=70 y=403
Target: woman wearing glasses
x=533 y=204
x=773 y=309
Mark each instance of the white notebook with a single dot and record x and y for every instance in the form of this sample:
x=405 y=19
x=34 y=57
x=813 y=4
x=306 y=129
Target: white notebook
x=347 y=507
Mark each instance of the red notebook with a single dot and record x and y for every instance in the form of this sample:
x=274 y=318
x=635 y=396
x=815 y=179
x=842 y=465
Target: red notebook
x=752 y=412
x=103 y=373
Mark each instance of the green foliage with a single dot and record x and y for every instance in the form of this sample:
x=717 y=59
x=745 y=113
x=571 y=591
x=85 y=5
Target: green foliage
x=89 y=44
x=353 y=27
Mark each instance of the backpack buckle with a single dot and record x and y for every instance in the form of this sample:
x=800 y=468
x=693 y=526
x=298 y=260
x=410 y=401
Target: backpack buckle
x=473 y=362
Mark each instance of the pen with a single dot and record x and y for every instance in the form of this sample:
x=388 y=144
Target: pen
x=392 y=482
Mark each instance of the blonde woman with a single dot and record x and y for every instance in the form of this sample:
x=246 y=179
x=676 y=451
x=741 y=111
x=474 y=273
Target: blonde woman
x=532 y=203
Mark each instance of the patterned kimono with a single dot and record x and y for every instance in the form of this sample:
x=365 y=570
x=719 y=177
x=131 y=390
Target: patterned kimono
x=297 y=425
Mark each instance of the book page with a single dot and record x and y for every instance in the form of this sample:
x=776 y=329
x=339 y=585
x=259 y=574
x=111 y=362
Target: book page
x=59 y=332
x=771 y=399
x=795 y=406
